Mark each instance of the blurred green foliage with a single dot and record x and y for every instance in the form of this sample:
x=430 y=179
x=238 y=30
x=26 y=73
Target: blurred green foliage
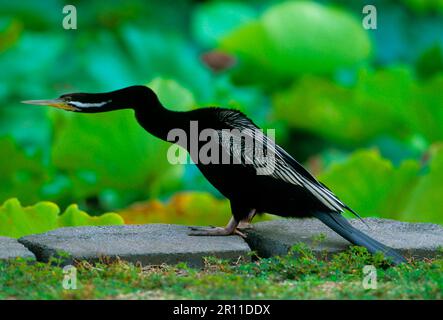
x=373 y=186
x=361 y=108
x=386 y=102
x=293 y=38
x=17 y=221
x=189 y=208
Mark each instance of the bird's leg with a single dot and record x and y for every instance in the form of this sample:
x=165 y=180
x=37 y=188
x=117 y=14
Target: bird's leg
x=230 y=229
x=246 y=223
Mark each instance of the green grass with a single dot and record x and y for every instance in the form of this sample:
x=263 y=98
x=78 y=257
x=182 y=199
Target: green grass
x=299 y=275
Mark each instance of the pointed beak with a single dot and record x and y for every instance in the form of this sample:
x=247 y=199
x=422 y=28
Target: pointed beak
x=57 y=103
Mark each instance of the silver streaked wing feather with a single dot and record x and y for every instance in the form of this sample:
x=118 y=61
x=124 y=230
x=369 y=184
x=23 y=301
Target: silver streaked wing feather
x=270 y=159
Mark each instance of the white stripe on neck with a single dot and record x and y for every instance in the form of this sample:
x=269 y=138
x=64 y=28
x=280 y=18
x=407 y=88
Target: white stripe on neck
x=88 y=105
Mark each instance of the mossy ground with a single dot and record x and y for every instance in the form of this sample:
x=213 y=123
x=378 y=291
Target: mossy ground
x=298 y=275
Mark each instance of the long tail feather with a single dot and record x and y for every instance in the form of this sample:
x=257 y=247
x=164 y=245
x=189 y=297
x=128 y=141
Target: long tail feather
x=339 y=224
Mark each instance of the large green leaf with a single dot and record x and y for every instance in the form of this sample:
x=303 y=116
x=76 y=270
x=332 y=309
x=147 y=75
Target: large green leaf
x=73 y=216
x=364 y=111
x=298 y=37
x=372 y=186
x=426 y=202
x=17 y=221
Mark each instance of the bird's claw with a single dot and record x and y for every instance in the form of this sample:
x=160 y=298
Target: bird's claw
x=214 y=231
x=241 y=234
x=201 y=228
x=245 y=226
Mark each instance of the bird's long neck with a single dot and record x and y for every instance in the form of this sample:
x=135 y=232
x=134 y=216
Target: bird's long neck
x=158 y=120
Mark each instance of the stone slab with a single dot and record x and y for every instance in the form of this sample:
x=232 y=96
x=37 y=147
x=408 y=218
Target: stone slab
x=10 y=248
x=418 y=240
x=150 y=244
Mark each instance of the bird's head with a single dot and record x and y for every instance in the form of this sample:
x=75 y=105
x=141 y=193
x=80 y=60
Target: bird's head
x=126 y=98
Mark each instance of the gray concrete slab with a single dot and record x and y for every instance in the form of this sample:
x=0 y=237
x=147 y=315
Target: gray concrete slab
x=150 y=244
x=10 y=248
x=418 y=240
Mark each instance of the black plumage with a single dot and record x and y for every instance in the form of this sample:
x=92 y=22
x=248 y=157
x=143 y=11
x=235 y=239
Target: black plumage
x=271 y=181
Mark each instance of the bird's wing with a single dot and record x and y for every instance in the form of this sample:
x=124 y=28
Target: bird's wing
x=248 y=145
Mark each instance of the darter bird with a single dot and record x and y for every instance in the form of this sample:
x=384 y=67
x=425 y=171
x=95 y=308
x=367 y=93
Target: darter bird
x=261 y=177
